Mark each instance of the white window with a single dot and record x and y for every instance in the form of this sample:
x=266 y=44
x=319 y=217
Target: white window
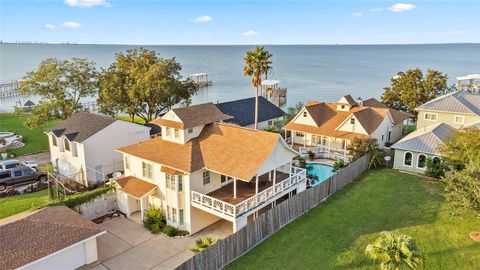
x=181 y=217
x=206 y=177
x=74 y=149
x=299 y=134
x=304 y=114
x=168 y=212
x=190 y=130
x=352 y=121
x=174 y=214
x=180 y=183
x=407 y=159
x=422 y=159
x=127 y=162
x=167 y=131
x=167 y=180
x=54 y=140
x=430 y=116
x=177 y=133
x=67 y=144
x=147 y=170
x=459 y=119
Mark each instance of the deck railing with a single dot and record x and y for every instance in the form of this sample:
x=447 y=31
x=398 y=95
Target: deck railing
x=298 y=175
x=322 y=151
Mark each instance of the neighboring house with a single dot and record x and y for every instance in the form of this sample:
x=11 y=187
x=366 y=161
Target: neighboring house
x=83 y=146
x=437 y=119
x=243 y=112
x=200 y=171
x=413 y=150
x=53 y=238
x=330 y=126
x=456 y=109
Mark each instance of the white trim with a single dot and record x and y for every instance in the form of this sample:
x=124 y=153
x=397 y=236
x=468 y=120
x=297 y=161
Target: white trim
x=418 y=159
x=459 y=123
x=63 y=249
x=425 y=116
x=411 y=161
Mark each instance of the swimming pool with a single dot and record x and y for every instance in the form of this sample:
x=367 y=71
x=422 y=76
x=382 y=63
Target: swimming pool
x=323 y=171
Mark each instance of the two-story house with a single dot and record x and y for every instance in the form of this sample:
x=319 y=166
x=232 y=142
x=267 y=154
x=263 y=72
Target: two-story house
x=330 y=126
x=437 y=119
x=83 y=147
x=200 y=170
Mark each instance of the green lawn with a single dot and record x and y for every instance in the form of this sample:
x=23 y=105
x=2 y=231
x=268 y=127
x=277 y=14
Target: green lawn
x=334 y=234
x=138 y=120
x=14 y=205
x=35 y=140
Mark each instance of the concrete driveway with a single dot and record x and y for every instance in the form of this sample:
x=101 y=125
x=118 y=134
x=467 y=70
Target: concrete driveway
x=128 y=245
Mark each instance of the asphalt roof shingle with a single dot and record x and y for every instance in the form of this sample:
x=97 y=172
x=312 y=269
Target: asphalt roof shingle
x=243 y=111
x=40 y=234
x=81 y=126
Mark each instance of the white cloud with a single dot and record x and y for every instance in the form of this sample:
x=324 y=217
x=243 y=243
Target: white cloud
x=376 y=9
x=86 y=3
x=71 y=24
x=203 y=19
x=357 y=14
x=49 y=26
x=400 y=7
x=250 y=33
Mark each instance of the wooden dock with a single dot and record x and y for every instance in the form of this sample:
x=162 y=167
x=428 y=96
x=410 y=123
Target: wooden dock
x=9 y=90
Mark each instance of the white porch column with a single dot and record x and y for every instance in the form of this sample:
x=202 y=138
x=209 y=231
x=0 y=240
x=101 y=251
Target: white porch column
x=304 y=139
x=235 y=188
x=274 y=176
x=269 y=176
x=256 y=184
x=141 y=208
x=291 y=138
x=290 y=169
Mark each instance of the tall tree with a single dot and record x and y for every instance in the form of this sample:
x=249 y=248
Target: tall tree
x=60 y=84
x=395 y=252
x=257 y=63
x=411 y=89
x=141 y=84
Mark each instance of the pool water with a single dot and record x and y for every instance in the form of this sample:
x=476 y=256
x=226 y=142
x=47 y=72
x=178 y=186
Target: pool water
x=323 y=171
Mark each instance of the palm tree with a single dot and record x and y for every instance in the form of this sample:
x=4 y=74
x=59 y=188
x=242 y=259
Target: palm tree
x=203 y=243
x=257 y=63
x=395 y=252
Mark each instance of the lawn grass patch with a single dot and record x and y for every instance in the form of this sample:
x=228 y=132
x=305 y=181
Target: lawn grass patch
x=334 y=234
x=35 y=140
x=14 y=205
x=137 y=119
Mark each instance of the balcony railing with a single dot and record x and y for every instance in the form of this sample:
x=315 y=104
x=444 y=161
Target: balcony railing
x=220 y=207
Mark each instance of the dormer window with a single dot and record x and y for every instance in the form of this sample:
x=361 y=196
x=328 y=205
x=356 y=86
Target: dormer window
x=352 y=121
x=343 y=107
x=54 y=140
x=67 y=144
x=190 y=130
x=167 y=132
x=304 y=114
x=177 y=133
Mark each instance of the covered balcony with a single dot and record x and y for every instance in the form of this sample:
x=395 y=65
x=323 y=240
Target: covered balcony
x=240 y=198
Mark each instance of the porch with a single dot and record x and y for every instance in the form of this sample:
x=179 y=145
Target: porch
x=235 y=201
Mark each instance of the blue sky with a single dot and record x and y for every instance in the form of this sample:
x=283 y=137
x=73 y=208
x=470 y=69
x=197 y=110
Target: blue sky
x=240 y=22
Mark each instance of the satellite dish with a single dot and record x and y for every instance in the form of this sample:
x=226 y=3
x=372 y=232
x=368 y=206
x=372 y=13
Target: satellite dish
x=387 y=158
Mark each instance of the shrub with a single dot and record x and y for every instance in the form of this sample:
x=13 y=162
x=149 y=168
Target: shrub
x=376 y=160
x=182 y=233
x=436 y=168
x=154 y=219
x=272 y=129
x=339 y=164
x=203 y=243
x=359 y=147
x=81 y=198
x=169 y=230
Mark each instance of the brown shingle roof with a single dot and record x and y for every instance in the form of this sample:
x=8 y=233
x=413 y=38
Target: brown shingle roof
x=328 y=119
x=38 y=235
x=227 y=149
x=350 y=100
x=373 y=102
x=134 y=186
x=196 y=115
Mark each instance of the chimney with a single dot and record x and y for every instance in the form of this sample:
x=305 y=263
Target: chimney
x=359 y=101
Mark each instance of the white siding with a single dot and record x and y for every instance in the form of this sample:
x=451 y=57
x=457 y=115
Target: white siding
x=356 y=127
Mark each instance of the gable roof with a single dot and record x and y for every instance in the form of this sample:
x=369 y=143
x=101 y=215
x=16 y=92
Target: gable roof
x=425 y=140
x=134 y=186
x=193 y=116
x=42 y=233
x=243 y=111
x=373 y=102
x=456 y=102
x=327 y=119
x=223 y=148
x=349 y=100
x=82 y=125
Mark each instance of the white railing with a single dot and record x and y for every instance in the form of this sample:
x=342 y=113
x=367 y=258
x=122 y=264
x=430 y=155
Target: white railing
x=219 y=206
x=323 y=151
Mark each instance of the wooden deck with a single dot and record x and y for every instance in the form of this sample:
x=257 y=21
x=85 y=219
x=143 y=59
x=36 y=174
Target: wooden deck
x=245 y=190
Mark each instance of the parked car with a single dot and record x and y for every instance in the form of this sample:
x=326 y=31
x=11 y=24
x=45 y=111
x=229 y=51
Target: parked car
x=12 y=163
x=20 y=175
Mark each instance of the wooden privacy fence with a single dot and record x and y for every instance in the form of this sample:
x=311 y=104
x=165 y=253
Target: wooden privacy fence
x=230 y=248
